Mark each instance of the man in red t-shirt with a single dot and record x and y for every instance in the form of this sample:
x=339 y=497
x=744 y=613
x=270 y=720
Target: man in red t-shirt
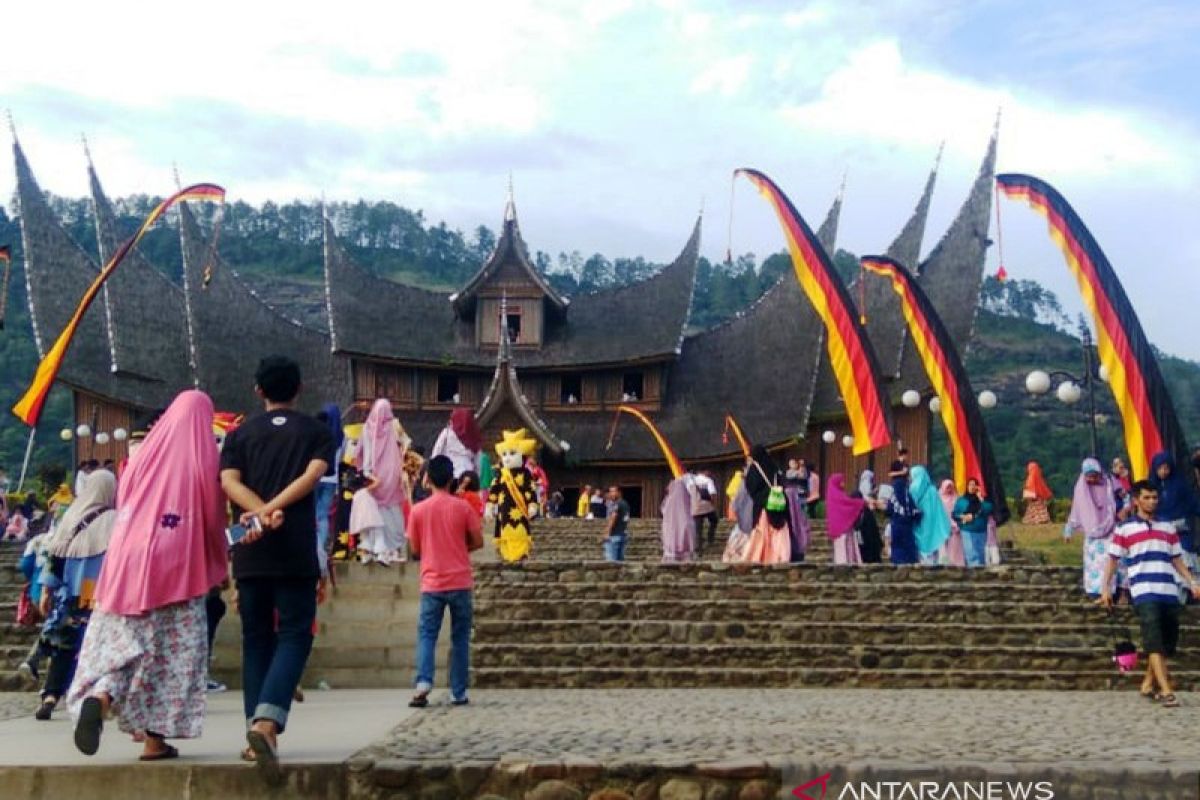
x=442 y=532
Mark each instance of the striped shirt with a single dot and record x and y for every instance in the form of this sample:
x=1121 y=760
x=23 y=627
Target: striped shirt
x=1148 y=549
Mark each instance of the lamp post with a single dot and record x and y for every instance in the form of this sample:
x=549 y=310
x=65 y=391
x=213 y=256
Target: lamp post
x=1069 y=392
x=827 y=438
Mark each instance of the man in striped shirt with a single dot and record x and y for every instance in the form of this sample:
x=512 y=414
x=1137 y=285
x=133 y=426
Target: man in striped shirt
x=1156 y=569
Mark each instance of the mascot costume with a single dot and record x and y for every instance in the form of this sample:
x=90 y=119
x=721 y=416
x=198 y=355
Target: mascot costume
x=512 y=500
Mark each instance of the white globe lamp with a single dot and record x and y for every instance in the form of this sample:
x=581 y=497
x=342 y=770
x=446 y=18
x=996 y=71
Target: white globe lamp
x=120 y=434
x=987 y=399
x=1037 y=382
x=1104 y=374
x=911 y=398
x=83 y=431
x=828 y=437
x=935 y=404
x=102 y=438
x=66 y=434
x=847 y=441
x=1068 y=392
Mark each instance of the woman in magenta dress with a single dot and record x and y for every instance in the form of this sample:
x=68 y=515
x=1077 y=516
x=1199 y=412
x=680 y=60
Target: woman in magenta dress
x=841 y=516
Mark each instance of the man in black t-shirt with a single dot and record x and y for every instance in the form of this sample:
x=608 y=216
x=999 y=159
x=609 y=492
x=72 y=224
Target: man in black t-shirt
x=269 y=468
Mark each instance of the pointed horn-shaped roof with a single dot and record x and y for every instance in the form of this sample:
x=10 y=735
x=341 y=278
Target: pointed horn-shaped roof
x=145 y=312
x=234 y=329
x=505 y=389
x=885 y=321
x=510 y=249
x=57 y=274
x=953 y=273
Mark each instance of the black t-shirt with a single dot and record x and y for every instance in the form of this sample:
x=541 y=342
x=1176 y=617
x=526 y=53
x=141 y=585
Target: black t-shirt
x=621 y=509
x=272 y=450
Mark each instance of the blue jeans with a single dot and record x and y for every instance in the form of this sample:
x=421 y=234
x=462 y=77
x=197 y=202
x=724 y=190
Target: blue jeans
x=324 y=497
x=274 y=655
x=614 y=548
x=975 y=548
x=429 y=625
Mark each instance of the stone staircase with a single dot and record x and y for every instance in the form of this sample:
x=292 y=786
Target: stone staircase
x=15 y=640
x=567 y=620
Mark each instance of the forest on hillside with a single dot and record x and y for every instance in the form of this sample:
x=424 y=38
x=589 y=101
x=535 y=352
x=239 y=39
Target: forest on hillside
x=1021 y=325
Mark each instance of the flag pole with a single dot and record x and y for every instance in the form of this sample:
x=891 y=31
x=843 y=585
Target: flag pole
x=25 y=463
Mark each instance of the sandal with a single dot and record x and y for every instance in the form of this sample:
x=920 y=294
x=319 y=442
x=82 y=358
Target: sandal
x=162 y=755
x=89 y=726
x=265 y=758
x=1169 y=701
x=45 y=710
x=419 y=701
x=247 y=755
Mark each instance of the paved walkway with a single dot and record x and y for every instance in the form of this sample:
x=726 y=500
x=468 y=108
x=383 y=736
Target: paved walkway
x=1102 y=729
x=327 y=728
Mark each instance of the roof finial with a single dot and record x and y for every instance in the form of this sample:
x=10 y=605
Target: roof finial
x=701 y=205
x=842 y=189
x=999 y=113
x=510 y=208
x=937 y=162
x=12 y=126
x=175 y=172
x=87 y=153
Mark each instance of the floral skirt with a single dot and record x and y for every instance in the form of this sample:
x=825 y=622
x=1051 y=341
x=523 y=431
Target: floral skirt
x=153 y=667
x=1095 y=558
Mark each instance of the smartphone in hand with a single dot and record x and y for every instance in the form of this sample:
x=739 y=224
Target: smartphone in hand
x=235 y=533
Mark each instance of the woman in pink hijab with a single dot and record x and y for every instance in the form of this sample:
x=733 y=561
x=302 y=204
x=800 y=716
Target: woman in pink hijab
x=952 y=551
x=145 y=653
x=381 y=459
x=841 y=515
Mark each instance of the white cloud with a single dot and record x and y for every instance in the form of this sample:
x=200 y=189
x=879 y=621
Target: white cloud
x=725 y=77
x=877 y=97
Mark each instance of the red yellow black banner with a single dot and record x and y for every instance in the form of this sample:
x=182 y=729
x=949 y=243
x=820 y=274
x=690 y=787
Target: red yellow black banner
x=1151 y=425
x=854 y=364
x=672 y=460
x=969 y=444
x=29 y=407
x=743 y=442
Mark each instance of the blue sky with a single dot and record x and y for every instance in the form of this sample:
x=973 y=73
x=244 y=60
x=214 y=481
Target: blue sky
x=619 y=119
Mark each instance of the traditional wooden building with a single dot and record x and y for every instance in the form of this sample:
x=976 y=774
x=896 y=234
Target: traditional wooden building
x=506 y=345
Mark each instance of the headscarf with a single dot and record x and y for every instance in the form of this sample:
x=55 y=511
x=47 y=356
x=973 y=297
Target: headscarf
x=949 y=495
x=332 y=415
x=1035 y=483
x=168 y=543
x=841 y=510
x=866 y=484
x=678 y=531
x=462 y=421
x=933 y=529
x=758 y=482
x=1176 y=500
x=1093 y=506
x=380 y=457
x=97 y=497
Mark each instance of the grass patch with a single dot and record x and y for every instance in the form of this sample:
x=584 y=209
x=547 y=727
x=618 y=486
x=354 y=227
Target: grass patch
x=1047 y=540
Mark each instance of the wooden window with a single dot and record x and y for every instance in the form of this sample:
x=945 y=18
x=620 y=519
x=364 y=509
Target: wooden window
x=512 y=321
x=633 y=386
x=570 y=389
x=447 y=388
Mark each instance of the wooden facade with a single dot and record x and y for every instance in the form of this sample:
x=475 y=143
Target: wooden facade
x=101 y=416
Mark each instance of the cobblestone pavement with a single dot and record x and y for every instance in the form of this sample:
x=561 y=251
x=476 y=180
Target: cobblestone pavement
x=17 y=704
x=1105 y=729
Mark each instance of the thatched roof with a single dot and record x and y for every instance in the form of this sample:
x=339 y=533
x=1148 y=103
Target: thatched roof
x=375 y=317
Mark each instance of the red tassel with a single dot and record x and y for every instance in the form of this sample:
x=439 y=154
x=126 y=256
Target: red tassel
x=1002 y=274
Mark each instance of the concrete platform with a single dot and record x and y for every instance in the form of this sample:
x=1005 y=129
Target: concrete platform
x=39 y=759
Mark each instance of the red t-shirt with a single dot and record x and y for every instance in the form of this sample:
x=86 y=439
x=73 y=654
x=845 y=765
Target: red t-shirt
x=438 y=528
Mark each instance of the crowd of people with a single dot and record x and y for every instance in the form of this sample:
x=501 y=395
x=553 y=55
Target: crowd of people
x=125 y=575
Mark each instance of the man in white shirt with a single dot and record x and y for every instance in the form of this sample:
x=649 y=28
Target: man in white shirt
x=703 y=491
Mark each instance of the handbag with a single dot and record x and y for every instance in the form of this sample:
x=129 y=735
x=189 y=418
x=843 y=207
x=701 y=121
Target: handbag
x=776 y=500
x=27 y=613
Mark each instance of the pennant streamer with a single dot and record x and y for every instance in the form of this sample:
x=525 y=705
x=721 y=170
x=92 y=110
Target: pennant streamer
x=969 y=444
x=854 y=364
x=1151 y=425
x=672 y=460
x=732 y=424
x=29 y=407
x=6 y=257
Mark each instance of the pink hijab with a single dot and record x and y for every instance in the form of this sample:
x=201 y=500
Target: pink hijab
x=168 y=542
x=379 y=455
x=841 y=510
x=1093 y=507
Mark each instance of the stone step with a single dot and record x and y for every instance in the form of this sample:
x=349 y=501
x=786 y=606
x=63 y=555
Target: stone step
x=851 y=633
x=798 y=610
x=788 y=654
x=601 y=572
x=748 y=590
x=1097 y=678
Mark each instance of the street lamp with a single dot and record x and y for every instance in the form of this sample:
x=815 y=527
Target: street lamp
x=935 y=404
x=1069 y=392
x=911 y=398
x=987 y=399
x=827 y=438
